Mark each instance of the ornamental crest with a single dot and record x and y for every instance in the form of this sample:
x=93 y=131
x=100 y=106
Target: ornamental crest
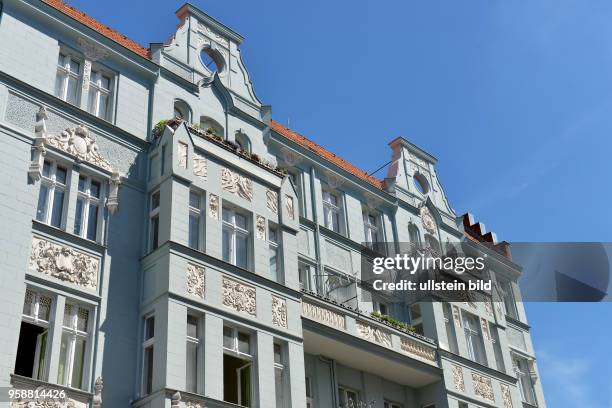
x=428 y=220
x=78 y=142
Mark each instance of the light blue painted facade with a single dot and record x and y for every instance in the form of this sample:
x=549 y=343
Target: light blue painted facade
x=331 y=349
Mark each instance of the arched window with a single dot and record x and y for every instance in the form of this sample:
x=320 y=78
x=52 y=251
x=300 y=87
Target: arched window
x=211 y=126
x=212 y=59
x=415 y=235
x=243 y=142
x=182 y=110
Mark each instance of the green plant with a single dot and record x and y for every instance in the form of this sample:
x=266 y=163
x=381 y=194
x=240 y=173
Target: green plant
x=159 y=127
x=195 y=126
x=392 y=322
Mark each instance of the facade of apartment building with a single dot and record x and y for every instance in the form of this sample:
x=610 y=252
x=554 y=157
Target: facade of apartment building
x=167 y=244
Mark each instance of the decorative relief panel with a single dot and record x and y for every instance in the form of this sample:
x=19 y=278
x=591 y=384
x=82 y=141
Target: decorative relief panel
x=506 y=395
x=236 y=184
x=458 y=378
x=338 y=257
x=78 y=143
x=213 y=206
x=64 y=263
x=323 y=316
x=483 y=387
x=196 y=280
x=272 y=201
x=290 y=207
x=418 y=349
x=182 y=155
x=374 y=334
x=428 y=220
x=200 y=168
x=260 y=227
x=279 y=311
x=239 y=296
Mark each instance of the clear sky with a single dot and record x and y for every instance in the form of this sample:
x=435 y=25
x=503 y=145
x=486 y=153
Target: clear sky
x=514 y=98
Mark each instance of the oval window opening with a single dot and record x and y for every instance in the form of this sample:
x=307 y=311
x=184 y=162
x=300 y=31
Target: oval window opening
x=211 y=60
x=421 y=183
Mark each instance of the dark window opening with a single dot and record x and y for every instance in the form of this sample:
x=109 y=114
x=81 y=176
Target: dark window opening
x=237 y=380
x=31 y=350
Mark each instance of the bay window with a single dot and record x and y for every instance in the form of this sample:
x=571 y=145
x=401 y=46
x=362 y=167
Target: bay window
x=99 y=94
x=33 y=345
x=235 y=238
x=237 y=367
x=332 y=211
x=473 y=338
x=68 y=78
x=52 y=196
x=88 y=208
x=73 y=349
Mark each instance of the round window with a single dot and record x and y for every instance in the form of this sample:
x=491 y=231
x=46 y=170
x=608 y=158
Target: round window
x=212 y=59
x=420 y=182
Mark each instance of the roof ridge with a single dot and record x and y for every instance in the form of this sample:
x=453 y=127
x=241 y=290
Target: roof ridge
x=96 y=25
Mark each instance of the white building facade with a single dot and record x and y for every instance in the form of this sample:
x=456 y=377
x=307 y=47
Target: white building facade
x=167 y=244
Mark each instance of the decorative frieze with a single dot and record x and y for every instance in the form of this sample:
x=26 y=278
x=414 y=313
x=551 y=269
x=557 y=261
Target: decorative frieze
x=374 y=334
x=213 y=206
x=506 y=395
x=458 y=378
x=239 y=296
x=290 y=207
x=236 y=184
x=323 y=316
x=260 y=227
x=418 y=349
x=279 y=311
x=200 y=166
x=64 y=263
x=182 y=155
x=483 y=387
x=196 y=280
x=272 y=201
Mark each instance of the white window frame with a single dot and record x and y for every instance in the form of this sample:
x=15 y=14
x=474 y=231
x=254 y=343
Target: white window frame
x=451 y=333
x=198 y=345
x=474 y=338
x=97 y=90
x=63 y=69
x=234 y=230
x=509 y=301
x=146 y=344
x=88 y=200
x=38 y=298
x=154 y=214
x=73 y=333
x=275 y=248
x=50 y=182
x=197 y=213
x=371 y=230
x=308 y=278
x=249 y=357
x=344 y=395
x=525 y=383
x=332 y=210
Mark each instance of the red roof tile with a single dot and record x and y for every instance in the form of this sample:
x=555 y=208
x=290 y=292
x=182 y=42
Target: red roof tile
x=99 y=27
x=324 y=153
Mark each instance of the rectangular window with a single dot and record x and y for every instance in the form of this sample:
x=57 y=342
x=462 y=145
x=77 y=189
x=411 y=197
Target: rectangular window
x=163 y=160
x=68 y=78
x=296 y=178
x=235 y=238
x=73 y=347
x=32 y=348
x=499 y=357
x=416 y=318
x=451 y=335
x=275 y=260
x=279 y=374
x=348 y=398
x=389 y=404
x=307 y=276
x=154 y=221
x=474 y=340
x=525 y=383
x=237 y=367
x=332 y=211
x=196 y=220
x=371 y=230
x=88 y=208
x=463 y=404
x=508 y=298
x=52 y=196
x=99 y=94
x=309 y=394
x=147 y=360
x=193 y=353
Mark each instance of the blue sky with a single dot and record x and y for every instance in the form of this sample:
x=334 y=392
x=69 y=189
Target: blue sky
x=513 y=98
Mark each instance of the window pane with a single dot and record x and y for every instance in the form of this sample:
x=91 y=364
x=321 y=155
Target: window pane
x=278 y=384
x=227 y=215
x=77 y=366
x=277 y=353
x=228 y=339
x=41 y=211
x=241 y=221
x=274 y=263
x=155 y=200
x=61 y=370
x=227 y=245
x=192 y=326
x=245 y=386
x=103 y=106
x=74 y=66
x=82 y=183
x=148 y=370
x=46 y=169
x=91 y=101
x=73 y=86
x=149 y=328
x=92 y=222
x=192 y=367
x=194 y=231
x=58 y=208
x=94 y=190
x=194 y=200
x=59 y=84
x=272 y=235
x=244 y=343
x=78 y=219
x=241 y=251
x=154 y=232
x=60 y=175
x=105 y=82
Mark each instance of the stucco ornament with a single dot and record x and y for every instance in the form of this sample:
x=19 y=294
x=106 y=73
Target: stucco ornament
x=196 y=280
x=484 y=323
x=374 y=334
x=213 y=206
x=272 y=201
x=236 y=184
x=279 y=311
x=64 y=263
x=323 y=316
x=97 y=399
x=428 y=220
x=78 y=142
x=483 y=387
x=506 y=395
x=260 y=227
x=290 y=206
x=458 y=378
x=418 y=349
x=239 y=297
x=182 y=155
x=200 y=166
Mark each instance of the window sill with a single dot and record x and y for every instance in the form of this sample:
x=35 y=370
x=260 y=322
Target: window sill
x=67 y=237
x=21 y=382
